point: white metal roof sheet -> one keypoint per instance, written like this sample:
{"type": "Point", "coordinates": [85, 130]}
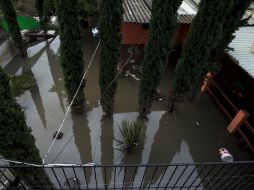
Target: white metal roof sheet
{"type": "Point", "coordinates": [139, 11]}
{"type": "Point", "coordinates": [242, 45]}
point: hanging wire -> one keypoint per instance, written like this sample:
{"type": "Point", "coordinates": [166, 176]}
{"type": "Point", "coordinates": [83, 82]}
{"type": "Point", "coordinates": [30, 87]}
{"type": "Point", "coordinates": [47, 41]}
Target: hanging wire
{"type": "Point", "coordinates": [117, 75]}
{"type": "Point", "coordinates": [69, 107]}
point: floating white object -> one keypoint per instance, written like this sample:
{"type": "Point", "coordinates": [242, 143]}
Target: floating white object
{"type": "Point", "coordinates": [95, 31]}
{"type": "Point", "coordinates": [197, 123]}
{"type": "Point", "coordinates": [225, 155]}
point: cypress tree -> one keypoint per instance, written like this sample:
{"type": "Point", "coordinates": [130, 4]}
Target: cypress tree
{"type": "Point", "coordinates": [16, 140]}
{"type": "Point", "coordinates": [39, 7]}
{"type": "Point", "coordinates": [231, 24]}
{"type": "Point", "coordinates": [205, 34]}
{"type": "Point", "coordinates": [71, 50]}
{"type": "Point", "coordinates": [49, 8]}
{"type": "Point", "coordinates": [39, 4]}
{"type": "Point", "coordinates": [11, 19]}
{"type": "Point", "coordinates": [110, 26]}
{"type": "Point", "coordinates": [87, 7]}
{"type": "Point", "coordinates": [163, 25]}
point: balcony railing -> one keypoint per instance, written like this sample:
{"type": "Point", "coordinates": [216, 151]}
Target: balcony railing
{"type": "Point", "coordinates": [214, 176]}
{"type": "Point", "coordinates": [246, 131]}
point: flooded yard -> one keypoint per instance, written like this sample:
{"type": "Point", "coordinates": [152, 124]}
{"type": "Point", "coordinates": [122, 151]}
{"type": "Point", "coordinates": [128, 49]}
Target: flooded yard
{"type": "Point", "coordinates": [193, 135]}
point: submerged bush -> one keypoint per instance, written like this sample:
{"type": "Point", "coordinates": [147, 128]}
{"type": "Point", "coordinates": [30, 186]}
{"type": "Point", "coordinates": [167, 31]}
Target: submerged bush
{"type": "Point", "coordinates": [131, 136]}
{"type": "Point", "coordinates": [21, 83]}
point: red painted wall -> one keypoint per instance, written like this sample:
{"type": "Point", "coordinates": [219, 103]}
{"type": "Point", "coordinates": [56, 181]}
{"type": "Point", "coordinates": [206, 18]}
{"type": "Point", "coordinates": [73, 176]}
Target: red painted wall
{"type": "Point", "coordinates": [182, 33]}
{"type": "Point", "coordinates": [133, 33]}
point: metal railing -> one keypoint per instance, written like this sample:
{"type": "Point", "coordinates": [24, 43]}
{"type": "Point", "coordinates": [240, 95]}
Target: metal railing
{"type": "Point", "coordinates": [214, 176]}
{"type": "Point", "coordinates": [246, 132]}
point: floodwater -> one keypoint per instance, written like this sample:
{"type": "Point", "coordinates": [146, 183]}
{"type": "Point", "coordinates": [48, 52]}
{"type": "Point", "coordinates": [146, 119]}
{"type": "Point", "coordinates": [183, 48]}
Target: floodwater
{"type": "Point", "coordinates": [193, 135]}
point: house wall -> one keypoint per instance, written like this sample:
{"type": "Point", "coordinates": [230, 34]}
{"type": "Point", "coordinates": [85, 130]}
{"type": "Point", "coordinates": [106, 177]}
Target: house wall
{"type": "Point", "coordinates": [182, 33]}
{"type": "Point", "coordinates": [135, 33]}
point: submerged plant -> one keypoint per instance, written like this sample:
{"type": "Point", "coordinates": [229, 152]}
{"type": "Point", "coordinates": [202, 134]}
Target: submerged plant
{"type": "Point", "coordinates": [131, 136]}
{"type": "Point", "coordinates": [20, 84]}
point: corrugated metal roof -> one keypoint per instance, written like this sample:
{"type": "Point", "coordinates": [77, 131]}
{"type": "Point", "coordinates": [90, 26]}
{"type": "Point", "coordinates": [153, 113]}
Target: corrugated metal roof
{"type": "Point", "coordinates": [136, 11]}
{"type": "Point", "coordinates": [242, 44]}
{"type": "Point", "coordinates": [139, 11]}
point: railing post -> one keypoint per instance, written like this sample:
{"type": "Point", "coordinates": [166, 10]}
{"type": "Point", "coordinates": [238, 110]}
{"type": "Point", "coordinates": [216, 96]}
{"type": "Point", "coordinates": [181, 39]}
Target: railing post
{"type": "Point", "coordinates": [207, 82]}
{"type": "Point", "coordinates": [237, 121]}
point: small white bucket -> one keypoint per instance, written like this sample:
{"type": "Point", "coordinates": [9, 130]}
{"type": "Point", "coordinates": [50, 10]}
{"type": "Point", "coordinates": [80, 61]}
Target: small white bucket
{"type": "Point", "coordinates": [225, 155]}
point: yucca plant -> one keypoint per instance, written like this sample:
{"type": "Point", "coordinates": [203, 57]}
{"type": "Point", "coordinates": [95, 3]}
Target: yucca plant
{"type": "Point", "coordinates": [131, 136]}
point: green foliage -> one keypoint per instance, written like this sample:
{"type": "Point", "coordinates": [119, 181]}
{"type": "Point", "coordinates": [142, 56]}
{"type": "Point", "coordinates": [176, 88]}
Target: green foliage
{"type": "Point", "coordinates": [231, 24]}
{"type": "Point", "coordinates": [45, 8]}
{"type": "Point", "coordinates": [11, 19]}
{"type": "Point", "coordinates": [87, 7]}
{"type": "Point", "coordinates": [49, 7]}
{"type": "Point", "coordinates": [71, 50]}
{"type": "Point", "coordinates": [39, 7]}
{"type": "Point", "coordinates": [205, 34]}
{"type": "Point", "coordinates": [131, 136]}
{"type": "Point", "coordinates": [16, 140]}
{"type": "Point", "coordinates": [163, 25]}
{"type": "Point", "coordinates": [20, 84]}
{"type": "Point", "coordinates": [110, 26]}
{"type": "Point", "coordinates": [241, 86]}
{"type": "Point", "coordinates": [133, 50]}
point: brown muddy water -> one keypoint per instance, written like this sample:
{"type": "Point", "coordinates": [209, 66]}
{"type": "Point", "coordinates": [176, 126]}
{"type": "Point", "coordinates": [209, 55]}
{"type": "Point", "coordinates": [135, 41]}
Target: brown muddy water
{"type": "Point", "coordinates": [194, 135]}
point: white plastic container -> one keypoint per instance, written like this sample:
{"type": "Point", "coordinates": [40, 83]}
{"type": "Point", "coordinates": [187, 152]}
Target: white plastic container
{"type": "Point", "coordinates": [225, 155]}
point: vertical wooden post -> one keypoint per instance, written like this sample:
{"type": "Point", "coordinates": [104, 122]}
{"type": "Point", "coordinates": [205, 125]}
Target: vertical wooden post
{"type": "Point", "coordinates": [207, 82]}
{"type": "Point", "coordinates": [237, 121]}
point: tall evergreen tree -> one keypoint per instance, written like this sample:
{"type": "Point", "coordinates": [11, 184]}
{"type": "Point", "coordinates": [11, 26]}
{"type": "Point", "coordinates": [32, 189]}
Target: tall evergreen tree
{"type": "Point", "coordinates": [163, 25]}
{"type": "Point", "coordinates": [87, 7]}
{"type": "Point", "coordinates": [110, 26]}
{"type": "Point", "coordinates": [233, 21]}
{"type": "Point", "coordinates": [39, 4]}
{"type": "Point", "coordinates": [205, 34]}
{"type": "Point", "coordinates": [16, 140]}
{"type": "Point", "coordinates": [39, 7]}
{"type": "Point", "coordinates": [49, 8]}
{"type": "Point", "coordinates": [11, 19]}
{"type": "Point", "coordinates": [71, 50]}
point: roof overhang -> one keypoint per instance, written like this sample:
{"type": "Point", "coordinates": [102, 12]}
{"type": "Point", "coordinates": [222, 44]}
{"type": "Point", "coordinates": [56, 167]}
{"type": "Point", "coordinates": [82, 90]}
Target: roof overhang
{"type": "Point", "coordinates": [242, 49]}
{"type": "Point", "coordinates": [139, 11]}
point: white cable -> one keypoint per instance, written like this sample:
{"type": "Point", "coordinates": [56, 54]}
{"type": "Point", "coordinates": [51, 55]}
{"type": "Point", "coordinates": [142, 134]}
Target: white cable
{"type": "Point", "coordinates": [19, 162]}
{"type": "Point", "coordinates": [119, 72]}
{"type": "Point", "coordinates": [67, 112]}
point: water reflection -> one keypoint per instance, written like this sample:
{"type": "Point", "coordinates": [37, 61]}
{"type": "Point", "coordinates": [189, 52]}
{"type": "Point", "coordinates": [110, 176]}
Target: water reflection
{"type": "Point", "coordinates": [82, 137]}
{"type": "Point", "coordinates": [126, 159]}
{"type": "Point", "coordinates": [82, 140]}
{"type": "Point", "coordinates": [193, 136]}
{"type": "Point", "coordinates": [107, 151]}
{"type": "Point", "coordinates": [26, 65]}
{"type": "Point", "coordinates": [56, 72]}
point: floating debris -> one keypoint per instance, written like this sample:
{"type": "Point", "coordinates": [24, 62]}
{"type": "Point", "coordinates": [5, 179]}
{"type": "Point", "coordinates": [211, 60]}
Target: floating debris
{"type": "Point", "coordinates": [59, 135]}
{"type": "Point", "coordinates": [95, 32]}
{"type": "Point", "coordinates": [225, 155]}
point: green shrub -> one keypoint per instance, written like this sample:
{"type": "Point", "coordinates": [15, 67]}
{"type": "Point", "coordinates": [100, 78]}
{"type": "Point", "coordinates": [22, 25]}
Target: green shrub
{"type": "Point", "coordinates": [21, 83]}
{"type": "Point", "coordinates": [131, 136]}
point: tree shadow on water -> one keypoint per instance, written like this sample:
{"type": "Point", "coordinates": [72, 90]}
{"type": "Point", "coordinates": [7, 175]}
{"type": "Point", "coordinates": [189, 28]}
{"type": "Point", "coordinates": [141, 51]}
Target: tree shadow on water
{"type": "Point", "coordinates": [107, 151]}
{"type": "Point", "coordinates": [82, 140]}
